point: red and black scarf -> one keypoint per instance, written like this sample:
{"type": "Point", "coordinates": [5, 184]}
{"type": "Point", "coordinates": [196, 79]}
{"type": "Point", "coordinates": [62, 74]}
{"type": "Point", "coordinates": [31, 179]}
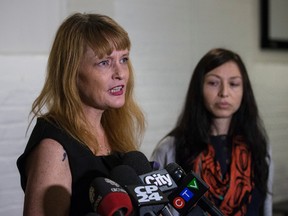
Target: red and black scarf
{"type": "Point", "coordinates": [233, 190]}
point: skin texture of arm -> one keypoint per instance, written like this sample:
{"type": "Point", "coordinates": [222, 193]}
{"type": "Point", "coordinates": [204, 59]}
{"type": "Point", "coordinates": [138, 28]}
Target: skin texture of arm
{"type": "Point", "coordinates": [48, 188]}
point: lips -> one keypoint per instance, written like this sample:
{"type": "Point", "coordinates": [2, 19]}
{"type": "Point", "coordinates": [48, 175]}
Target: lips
{"type": "Point", "coordinates": [223, 105]}
{"type": "Point", "coordinates": [117, 90]}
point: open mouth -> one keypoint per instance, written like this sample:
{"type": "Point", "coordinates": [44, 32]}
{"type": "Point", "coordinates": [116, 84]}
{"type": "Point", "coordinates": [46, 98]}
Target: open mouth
{"type": "Point", "coordinates": [116, 89]}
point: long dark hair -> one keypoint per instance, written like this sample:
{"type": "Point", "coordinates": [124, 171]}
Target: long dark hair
{"type": "Point", "coordinates": [192, 130]}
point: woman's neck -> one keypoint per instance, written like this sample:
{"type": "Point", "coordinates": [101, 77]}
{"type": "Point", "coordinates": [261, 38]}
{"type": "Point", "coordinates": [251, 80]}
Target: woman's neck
{"type": "Point", "coordinates": [94, 116]}
{"type": "Point", "coordinates": [220, 126]}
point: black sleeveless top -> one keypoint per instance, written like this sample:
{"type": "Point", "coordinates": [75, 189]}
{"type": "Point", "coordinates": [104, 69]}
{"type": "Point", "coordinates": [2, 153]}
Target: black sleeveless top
{"type": "Point", "coordinates": [84, 165]}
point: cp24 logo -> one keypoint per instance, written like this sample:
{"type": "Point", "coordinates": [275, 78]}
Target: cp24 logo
{"type": "Point", "coordinates": [148, 193]}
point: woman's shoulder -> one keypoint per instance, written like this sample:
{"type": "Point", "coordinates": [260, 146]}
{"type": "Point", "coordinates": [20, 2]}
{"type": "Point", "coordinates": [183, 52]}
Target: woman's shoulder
{"type": "Point", "coordinates": [166, 143]}
{"type": "Point", "coordinates": [164, 152]}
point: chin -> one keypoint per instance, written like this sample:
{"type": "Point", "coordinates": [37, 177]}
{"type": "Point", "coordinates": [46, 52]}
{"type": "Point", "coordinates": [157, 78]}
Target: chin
{"type": "Point", "coordinates": [223, 114]}
{"type": "Point", "coordinates": [219, 116]}
{"type": "Point", "coordinates": [118, 105]}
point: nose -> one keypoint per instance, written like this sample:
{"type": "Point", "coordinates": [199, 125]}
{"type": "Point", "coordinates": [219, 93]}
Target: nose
{"type": "Point", "coordinates": [118, 72]}
{"type": "Point", "coordinates": [223, 91]}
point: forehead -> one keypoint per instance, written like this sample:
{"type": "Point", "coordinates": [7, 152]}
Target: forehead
{"type": "Point", "coordinates": [226, 70]}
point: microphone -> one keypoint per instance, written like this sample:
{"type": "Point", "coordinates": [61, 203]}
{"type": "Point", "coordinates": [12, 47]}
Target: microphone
{"type": "Point", "coordinates": [161, 178]}
{"type": "Point", "coordinates": [108, 198]}
{"type": "Point", "coordinates": [140, 164]}
{"type": "Point", "coordinates": [148, 199]}
{"type": "Point", "coordinates": [137, 161]}
{"type": "Point", "coordinates": [190, 190]}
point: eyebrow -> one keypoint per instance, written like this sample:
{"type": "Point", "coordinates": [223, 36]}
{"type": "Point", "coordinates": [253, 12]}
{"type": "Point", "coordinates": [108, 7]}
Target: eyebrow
{"type": "Point", "coordinates": [110, 56]}
{"type": "Point", "coordinates": [215, 75]}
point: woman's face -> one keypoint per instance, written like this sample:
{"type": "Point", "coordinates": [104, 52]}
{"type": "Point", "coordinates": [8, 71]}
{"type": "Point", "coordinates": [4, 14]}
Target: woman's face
{"type": "Point", "coordinates": [223, 90]}
{"type": "Point", "coordinates": [102, 82]}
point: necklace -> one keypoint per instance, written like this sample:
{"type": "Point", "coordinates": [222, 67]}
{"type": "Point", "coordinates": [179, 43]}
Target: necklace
{"type": "Point", "coordinates": [105, 148]}
{"type": "Point", "coordinates": [102, 142]}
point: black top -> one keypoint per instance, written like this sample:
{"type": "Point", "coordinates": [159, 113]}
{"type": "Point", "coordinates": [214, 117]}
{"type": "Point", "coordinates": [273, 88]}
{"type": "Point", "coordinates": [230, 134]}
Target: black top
{"type": "Point", "coordinates": [223, 151]}
{"type": "Point", "coordinates": [84, 165]}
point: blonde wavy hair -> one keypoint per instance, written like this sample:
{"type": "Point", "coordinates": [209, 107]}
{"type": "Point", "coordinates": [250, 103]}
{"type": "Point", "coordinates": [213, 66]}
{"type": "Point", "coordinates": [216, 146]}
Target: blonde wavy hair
{"type": "Point", "coordinates": [59, 101]}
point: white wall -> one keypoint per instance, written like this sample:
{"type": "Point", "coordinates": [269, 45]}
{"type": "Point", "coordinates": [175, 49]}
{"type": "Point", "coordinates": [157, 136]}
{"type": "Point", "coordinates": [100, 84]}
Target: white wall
{"type": "Point", "coordinates": [168, 38]}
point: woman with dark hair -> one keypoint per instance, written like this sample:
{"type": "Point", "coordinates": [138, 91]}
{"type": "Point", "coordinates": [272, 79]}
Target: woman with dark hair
{"type": "Point", "coordinates": [220, 136]}
{"type": "Point", "coordinates": [85, 113]}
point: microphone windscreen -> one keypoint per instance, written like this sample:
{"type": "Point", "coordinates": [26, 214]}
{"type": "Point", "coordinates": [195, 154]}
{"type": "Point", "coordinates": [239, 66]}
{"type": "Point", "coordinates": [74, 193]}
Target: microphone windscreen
{"type": "Point", "coordinates": [107, 197]}
{"type": "Point", "coordinates": [125, 175]}
{"type": "Point", "coordinates": [138, 161]}
{"type": "Point", "coordinates": [147, 199]}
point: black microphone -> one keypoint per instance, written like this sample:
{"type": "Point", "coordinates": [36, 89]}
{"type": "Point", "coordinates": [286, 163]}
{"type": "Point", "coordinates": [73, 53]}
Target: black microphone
{"type": "Point", "coordinates": [148, 199]}
{"type": "Point", "coordinates": [138, 161]}
{"type": "Point", "coordinates": [108, 198]}
{"type": "Point", "coordinates": [190, 190]}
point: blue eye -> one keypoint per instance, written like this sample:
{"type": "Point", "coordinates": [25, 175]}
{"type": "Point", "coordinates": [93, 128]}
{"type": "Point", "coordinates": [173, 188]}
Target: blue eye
{"type": "Point", "coordinates": [104, 63]}
{"type": "Point", "coordinates": [124, 60]}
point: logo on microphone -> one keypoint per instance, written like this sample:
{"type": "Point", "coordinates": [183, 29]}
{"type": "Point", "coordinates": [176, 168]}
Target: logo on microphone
{"type": "Point", "coordinates": [178, 203]}
{"type": "Point", "coordinates": [185, 195]}
{"type": "Point", "coordinates": [193, 184]}
{"type": "Point", "coordinates": [147, 194]}
{"type": "Point", "coordinates": [160, 178]}
{"type": "Point", "coordinates": [188, 193]}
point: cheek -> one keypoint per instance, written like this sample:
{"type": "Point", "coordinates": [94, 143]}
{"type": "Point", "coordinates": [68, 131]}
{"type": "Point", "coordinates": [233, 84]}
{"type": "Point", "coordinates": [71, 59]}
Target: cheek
{"type": "Point", "coordinates": [208, 102]}
{"type": "Point", "coordinates": [80, 85]}
{"type": "Point", "coordinates": [127, 74]}
{"type": "Point", "coordinates": [238, 95]}
{"type": "Point", "coordinates": [208, 97]}
{"type": "Point", "coordinates": [88, 87]}
{"type": "Point", "coordinates": [239, 100]}
{"type": "Point", "coordinates": [82, 90]}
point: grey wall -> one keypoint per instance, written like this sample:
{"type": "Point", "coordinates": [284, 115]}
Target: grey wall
{"type": "Point", "coordinates": [168, 39]}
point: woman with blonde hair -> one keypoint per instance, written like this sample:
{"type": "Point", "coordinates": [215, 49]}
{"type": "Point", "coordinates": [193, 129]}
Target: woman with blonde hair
{"type": "Point", "coordinates": [85, 113]}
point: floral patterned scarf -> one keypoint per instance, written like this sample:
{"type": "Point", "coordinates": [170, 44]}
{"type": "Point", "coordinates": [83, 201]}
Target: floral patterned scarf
{"type": "Point", "coordinates": [233, 190]}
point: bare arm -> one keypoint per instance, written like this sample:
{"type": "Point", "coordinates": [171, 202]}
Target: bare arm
{"type": "Point", "coordinates": [48, 189]}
